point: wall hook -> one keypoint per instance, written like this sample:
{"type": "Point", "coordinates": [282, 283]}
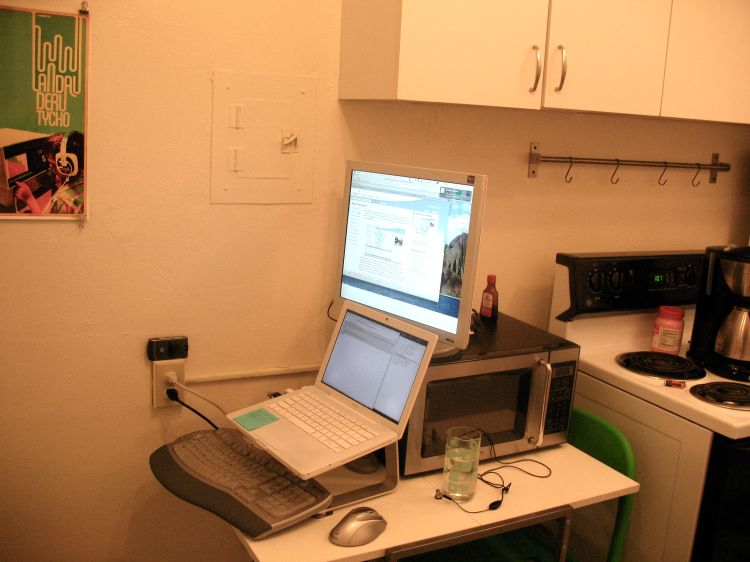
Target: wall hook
{"type": "Point", "coordinates": [664, 171]}
{"type": "Point", "coordinates": [612, 179]}
{"type": "Point", "coordinates": [695, 177]}
{"type": "Point", "coordinates": [568, 177]}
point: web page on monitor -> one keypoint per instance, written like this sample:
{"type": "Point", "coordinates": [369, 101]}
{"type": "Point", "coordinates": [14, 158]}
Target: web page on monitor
{"type": "Point", "coordinates": [396, 240]}
{"type": "Point", "coordinates": [405, 246]}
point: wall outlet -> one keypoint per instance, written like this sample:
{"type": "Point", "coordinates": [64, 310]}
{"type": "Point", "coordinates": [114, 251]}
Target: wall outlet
{"type": "Point", "coordinates": [159, 369]}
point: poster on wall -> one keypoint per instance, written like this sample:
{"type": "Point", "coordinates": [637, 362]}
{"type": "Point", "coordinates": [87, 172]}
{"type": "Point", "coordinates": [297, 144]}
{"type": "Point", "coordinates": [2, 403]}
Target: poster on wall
{"type": "Point", "coordinates": [42, 114]}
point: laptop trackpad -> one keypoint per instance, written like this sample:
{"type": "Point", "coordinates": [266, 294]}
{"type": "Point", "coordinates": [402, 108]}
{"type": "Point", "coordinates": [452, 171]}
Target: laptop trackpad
{"type": "Point", "coordinates": [278, 438]}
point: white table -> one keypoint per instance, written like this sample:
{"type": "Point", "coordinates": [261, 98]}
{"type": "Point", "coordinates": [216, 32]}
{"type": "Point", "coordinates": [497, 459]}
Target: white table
{"type": "Point", "coordinates": [415, 517]}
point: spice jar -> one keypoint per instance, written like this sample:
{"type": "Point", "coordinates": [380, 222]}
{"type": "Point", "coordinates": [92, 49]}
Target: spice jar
{"type": "Point", "coordinates": [668, 327]}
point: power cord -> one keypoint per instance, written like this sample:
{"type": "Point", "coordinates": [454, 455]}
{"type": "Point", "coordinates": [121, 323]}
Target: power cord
{"type": "Point", "coordinates": [172, 381]}
{"type": "Point", "coordinates": [174, 396]}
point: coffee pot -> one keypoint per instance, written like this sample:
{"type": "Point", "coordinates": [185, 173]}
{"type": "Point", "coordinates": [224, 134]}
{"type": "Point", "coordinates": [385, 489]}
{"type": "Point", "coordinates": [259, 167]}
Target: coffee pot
{"type": "Point", "coordinates": [733, 337]}
{"type": "Point", "coordinates": [721, 331]}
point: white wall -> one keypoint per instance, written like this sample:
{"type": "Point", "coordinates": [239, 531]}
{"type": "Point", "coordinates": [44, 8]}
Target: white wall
{"type": "Point", "coordinates": [249, 284]}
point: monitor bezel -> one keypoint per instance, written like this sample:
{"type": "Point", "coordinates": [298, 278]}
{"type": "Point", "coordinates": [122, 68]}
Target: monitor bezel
{"type": "Point", "coordinates": [450, 342]}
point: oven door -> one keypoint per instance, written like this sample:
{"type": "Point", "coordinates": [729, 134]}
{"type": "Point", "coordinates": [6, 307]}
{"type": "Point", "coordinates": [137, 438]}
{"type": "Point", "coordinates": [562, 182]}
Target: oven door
{"type": "Point", "coordinates": [505, 398]}
{"type": "Point", "coordinates": [723, 525]}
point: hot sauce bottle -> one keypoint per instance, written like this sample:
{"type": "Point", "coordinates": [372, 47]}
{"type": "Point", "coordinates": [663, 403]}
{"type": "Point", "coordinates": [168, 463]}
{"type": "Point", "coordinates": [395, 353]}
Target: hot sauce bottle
{"type": "Point", "coordinates": [488, 310]}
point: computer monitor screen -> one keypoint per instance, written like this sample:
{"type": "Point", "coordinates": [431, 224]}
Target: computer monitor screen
{"type": "Point", "coordinates": [411, 243]}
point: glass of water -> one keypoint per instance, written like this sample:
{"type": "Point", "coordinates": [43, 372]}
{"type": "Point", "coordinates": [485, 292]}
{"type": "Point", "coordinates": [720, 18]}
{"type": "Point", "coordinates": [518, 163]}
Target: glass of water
{"type": "Point", "coordinates": [462, 446]}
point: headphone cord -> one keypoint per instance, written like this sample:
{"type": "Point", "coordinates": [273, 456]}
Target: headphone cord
{"type": "Point", "coordinates": [494, 479]}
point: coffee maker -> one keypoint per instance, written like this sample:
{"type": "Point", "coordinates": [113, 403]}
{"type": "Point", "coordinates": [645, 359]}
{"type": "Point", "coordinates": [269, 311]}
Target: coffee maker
{"type": "Point", "coordinates": [721, 331]}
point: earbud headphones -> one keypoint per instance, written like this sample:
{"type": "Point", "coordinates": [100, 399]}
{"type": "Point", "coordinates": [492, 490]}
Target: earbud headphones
{"type": "Point", "coordinates": [66, 162]}
{"type": "Point", "coordinates": [494, 479]}
{"type": "Point", "coordinates": [491, 507]}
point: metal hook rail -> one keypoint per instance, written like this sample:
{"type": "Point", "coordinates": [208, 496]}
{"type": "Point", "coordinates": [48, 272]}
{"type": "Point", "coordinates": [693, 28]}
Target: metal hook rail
{"type": "Point", "coordinates": [713, 168]}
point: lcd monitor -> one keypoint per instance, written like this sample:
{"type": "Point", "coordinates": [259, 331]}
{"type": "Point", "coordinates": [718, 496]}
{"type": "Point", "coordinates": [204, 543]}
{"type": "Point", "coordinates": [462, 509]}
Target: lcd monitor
{"type": "Point", "coordinates": [410, 245]}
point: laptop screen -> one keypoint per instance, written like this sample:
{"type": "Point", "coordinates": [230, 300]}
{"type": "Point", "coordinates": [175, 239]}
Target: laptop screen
{"type": "Point", "coordinates": [374, 364]}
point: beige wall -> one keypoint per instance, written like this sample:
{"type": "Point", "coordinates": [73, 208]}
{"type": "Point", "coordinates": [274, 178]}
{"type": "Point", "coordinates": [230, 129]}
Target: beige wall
{"type": "Point", "coordinates": [249, 284]}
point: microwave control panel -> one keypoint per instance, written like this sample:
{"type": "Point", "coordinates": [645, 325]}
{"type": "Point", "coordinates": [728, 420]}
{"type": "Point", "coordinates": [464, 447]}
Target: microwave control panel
{"type": "Point", "coordinates": [560, 399]}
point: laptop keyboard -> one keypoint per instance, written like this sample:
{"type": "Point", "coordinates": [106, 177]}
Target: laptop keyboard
{"type": "Point", "coordinates": [334, 429]}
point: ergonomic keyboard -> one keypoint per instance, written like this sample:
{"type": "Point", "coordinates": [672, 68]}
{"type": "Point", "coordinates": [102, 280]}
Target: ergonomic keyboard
{"type": "Point", "coordinates": [219, 471]}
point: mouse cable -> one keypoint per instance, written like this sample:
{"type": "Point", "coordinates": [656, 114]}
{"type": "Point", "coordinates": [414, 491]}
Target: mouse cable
{"type": "Point", "coordinates": [174, 397]}
{"type": "Point", "coordinates": [172, 380]}
{"type": "Point", "coordinates": [328, 312]}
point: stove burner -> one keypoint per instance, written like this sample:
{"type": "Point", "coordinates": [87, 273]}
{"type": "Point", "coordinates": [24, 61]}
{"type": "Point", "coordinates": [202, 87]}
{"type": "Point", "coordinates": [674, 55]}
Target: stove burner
{"type": "Point", "coordinates": [733, 395]}
{"type": "Point", "coordinates": [663, 365]}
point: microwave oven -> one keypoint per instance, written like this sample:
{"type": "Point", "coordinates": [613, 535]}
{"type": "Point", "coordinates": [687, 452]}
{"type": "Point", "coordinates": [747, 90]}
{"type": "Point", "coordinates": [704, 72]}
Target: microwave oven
{"type": "Point", "coordinates": [514, 383]}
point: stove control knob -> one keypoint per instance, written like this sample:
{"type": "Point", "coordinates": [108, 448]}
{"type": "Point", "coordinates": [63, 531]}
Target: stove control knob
{"type": "Point", "coordinates": [596, 281]}
{"type": "Point", "coordinates": [614, 280]}
{"type": "Point", "coordinates": [691, 276]}
{"type": "Point", "coordinates": [681, 276]}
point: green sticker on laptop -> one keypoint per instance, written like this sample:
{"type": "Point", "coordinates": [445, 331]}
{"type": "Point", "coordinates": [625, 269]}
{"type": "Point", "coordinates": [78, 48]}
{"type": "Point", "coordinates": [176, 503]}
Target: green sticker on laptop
{"type": "Point", "coordinates": [255, 419]}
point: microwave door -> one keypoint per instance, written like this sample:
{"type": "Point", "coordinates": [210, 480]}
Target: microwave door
{"type": "Point", "coordinates": [499, 399]}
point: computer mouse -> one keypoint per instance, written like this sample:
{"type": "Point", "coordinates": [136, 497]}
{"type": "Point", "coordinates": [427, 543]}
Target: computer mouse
{"type": "Point", "coordinates": [360, 526]}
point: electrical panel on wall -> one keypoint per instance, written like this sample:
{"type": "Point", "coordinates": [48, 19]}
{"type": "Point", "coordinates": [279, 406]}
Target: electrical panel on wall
{"type": "Point", "coordinates": [262, 139]}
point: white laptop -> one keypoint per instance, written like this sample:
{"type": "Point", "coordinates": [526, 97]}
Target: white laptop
{"type": "Point", "coordinates": [371, 373]}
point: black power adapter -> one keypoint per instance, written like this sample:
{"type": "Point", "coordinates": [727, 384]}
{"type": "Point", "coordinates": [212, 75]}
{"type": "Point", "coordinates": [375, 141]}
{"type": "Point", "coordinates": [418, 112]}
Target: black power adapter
{"type": "Point", "coordinates": [160, 349]}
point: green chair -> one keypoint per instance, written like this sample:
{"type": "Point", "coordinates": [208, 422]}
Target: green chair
{"type": "Point", "coordinates": [606, 443]}
{"type": "Point", "coordinates": [592, 435]}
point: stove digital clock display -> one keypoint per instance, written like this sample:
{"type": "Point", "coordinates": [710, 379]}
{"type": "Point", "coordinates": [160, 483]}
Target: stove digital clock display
{"type": "Point", "coordinates": [660, 279]}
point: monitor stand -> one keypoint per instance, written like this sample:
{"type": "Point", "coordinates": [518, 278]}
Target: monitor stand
{"type": "Point", "coordinates": [350, 486]}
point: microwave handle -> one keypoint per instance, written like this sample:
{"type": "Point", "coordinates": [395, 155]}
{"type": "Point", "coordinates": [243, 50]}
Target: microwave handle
{"type": "Point", "coordinates": [547, 386]}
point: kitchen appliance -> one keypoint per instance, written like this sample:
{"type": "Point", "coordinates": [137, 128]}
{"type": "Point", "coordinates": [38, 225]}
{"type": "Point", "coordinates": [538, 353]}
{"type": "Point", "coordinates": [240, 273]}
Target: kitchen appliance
{"type": "Point", "coordinates": [726, 394]}
{"type": "Point", "coordinates": [721, 331]}
{"type": "Point", "coordinates": [514, 382]}
{"type": "Point", "coordinates": [683, 427]}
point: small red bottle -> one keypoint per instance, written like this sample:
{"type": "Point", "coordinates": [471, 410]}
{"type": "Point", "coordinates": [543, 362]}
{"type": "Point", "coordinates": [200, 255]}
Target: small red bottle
{"type": "Point", "coordinates": [488, 310]}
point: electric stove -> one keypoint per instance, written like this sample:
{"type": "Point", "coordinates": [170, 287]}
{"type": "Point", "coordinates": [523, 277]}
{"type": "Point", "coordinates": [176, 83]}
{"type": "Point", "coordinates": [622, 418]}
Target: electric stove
{"type": "Point", "coordinates": [667, 406]}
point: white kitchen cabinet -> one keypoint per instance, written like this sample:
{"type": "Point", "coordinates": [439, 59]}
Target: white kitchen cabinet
{"type": "Point", "coordinates": [708, 62]}
{"type": "Point", "coordinates": [479, 52]}
{"type": "Point", "coordinates": [609, 56]}
{"type": "Point", "coordinates": [615, 53]}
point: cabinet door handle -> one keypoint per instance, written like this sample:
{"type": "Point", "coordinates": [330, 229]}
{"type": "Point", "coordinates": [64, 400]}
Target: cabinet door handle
{"type": "Point", "coordinates": [538, 68]}
{"type": "Point", "coordinates": [564, 68]}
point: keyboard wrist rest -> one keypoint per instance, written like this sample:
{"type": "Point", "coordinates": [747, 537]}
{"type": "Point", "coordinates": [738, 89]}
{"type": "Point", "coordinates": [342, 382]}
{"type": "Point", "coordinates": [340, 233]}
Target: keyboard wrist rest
{"type": "Point", "coordinates": [176, 480]}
